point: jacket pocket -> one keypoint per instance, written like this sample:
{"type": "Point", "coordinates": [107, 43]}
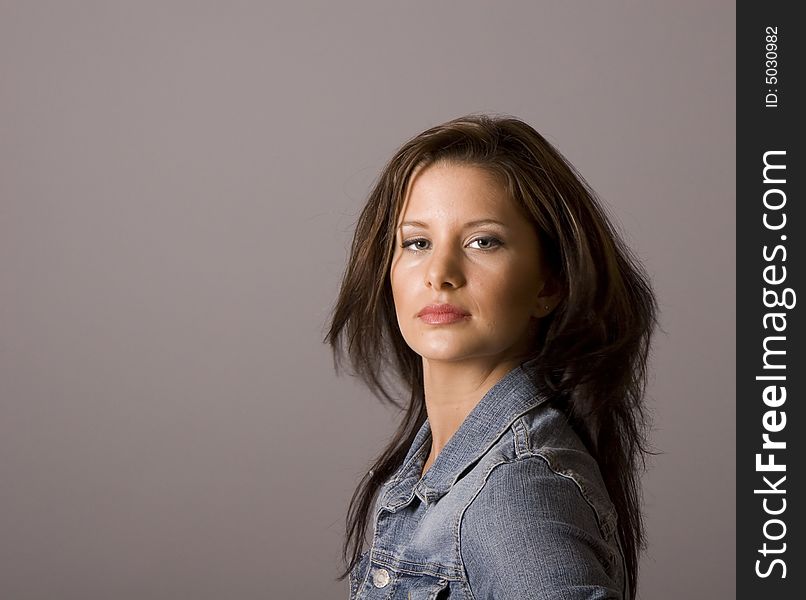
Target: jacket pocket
{"type": "Point", "coordinates": [385, 583]}
{"type": "Point", "coordinates": [421, 587]}
{"type": "Point", "coordinates": [436, 591]}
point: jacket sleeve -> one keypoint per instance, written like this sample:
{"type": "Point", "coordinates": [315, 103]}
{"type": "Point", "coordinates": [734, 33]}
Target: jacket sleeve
{"type": "Point", "coordinates": [530, 534]}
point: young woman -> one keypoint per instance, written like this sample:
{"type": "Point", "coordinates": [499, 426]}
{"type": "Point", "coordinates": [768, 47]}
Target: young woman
{"type": "Point", "coordinates": [486, 280]}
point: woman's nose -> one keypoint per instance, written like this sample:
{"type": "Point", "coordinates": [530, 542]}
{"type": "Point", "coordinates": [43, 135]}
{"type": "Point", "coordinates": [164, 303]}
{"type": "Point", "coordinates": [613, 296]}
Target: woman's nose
{"type": "Point", "coordinates": [444, 267]}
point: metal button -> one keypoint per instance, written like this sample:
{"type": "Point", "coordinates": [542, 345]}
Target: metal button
{"type": "Point", "coordinates": [380, 577]}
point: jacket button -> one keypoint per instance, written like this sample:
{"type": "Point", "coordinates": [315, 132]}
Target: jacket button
{"type": "Point", "coordinates": [380, 577]}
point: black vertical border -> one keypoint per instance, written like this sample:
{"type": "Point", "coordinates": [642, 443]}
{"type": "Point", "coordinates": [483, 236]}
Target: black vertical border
{"type": "Point", "coordinates": [760, 129]}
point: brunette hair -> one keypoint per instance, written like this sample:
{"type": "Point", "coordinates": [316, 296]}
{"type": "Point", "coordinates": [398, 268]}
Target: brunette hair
{"type": "Point", "coordinates": [591, 350]}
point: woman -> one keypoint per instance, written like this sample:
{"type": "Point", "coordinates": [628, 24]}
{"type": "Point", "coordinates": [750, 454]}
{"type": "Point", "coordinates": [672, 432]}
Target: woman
{"type": "Point", "coordinates": [486, 279]}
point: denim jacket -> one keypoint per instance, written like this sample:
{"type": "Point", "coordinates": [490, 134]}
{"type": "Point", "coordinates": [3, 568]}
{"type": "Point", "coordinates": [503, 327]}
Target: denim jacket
{"type": "Point", "coordinates": [513, 507]}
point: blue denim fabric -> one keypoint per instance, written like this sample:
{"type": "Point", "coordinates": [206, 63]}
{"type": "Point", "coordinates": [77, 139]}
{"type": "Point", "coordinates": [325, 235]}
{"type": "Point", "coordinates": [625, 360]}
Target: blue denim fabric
{"type": "Point", "coordinates": [513, 507]}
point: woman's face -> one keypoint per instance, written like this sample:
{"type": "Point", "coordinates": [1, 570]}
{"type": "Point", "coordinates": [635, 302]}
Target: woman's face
{"type": "Point", "coordinates": [449, 250]}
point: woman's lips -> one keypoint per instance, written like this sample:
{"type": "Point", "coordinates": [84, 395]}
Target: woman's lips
{"type": "Point", "coordinates": [442, 313]}
{"type": "Point", "coordinates": [443, 318]}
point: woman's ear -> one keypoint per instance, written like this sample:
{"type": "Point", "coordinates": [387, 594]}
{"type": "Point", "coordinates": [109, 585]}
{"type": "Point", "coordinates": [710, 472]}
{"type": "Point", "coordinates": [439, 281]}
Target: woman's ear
{"type": "Point", "coordinates": [549, 297]}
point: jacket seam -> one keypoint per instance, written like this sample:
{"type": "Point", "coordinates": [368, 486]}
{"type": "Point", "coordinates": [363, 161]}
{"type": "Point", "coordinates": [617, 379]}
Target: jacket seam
{"type": "Point", "coordinates": [436, 570]}
{"type": "Point", "coordinates": [354, 582]}
{"type": "Point", "coordinates": [600, 518]}
{"type": "Point", "coordinates": [521, 443]}
{"type": "Point", "coordinates": [364, 581]}
{"type": "Point", "coordinates": [465, 578]}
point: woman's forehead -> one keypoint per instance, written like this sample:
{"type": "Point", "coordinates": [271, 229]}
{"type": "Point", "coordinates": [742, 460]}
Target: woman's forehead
{"type": "Point", "coordinates": [451, 192]}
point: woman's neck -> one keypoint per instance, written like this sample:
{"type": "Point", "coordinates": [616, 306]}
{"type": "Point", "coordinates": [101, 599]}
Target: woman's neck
{"type": "Point", "coordinates": [452, 391]}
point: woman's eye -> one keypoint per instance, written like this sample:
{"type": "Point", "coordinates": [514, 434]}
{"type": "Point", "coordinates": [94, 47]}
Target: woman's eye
{"type": "Point", "coordinates": [487, 243]}
{"type": "Point", "coordinates": [408, 243]}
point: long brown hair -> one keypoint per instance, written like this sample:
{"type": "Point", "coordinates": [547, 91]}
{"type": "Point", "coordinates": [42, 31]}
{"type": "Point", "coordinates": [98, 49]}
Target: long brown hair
{"type": "Point", "coordinates": [591, 351]}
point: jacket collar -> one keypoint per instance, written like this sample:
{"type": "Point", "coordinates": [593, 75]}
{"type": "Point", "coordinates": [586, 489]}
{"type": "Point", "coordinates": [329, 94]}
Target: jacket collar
{"type": "Point", "coordinates": [513, 395]}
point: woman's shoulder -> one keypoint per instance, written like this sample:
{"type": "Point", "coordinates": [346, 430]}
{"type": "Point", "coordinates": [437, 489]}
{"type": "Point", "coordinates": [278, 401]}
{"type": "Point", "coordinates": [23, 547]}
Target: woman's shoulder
{"type": "Point", "coordinates": [541, 518]}
{"type": "Point", "coordinates": [542, 460]}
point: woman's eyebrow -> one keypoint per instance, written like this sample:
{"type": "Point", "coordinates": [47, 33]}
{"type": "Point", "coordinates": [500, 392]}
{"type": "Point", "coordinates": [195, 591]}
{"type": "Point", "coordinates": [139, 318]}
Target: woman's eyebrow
{"type": "Point", "coordinates": [475, 223]}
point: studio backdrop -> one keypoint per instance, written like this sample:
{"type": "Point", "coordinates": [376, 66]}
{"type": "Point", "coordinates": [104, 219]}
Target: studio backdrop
{"type": "Point", "coordinates": [179, 182]}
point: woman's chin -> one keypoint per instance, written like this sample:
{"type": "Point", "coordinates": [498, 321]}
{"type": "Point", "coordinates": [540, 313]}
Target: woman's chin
{"type": "Point", "coordinates": [445, 355]}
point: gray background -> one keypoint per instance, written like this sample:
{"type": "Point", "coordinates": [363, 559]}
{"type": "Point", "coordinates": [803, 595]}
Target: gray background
{"type": "Point", "coordinates": [178, 185]}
